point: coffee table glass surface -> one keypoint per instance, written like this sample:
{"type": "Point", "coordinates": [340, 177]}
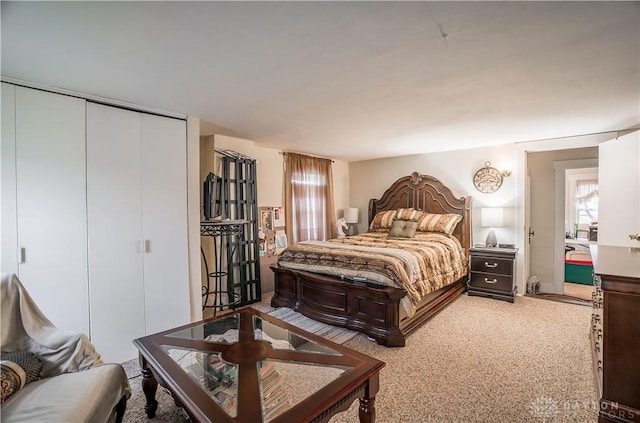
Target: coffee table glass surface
{"type": "Point", "coordinates": [248, 366]}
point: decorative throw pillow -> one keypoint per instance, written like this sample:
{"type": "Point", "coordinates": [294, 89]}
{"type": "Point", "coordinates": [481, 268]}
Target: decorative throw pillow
{"type": "Point", "coordinates": [409, 214]}
{"type": "Point", "coordinates": [445, 223]}
{"type": "Point", "coordinates": [13, 379]}
{"type": "Point", "coordinates": [29, 362]}
{"type": "Point", "coordinates": [403, 228]}
{"type": "Point", "coordinates": [382, 220]}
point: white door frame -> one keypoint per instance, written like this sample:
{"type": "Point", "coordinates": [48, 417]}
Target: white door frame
{"type": "Point", "coordinates": [522, 196]}
{"type": "Point", "coordinates": [560, 168]}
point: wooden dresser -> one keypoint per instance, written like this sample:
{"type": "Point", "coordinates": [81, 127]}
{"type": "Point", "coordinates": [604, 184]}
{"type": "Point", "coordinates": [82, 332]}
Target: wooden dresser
{"type": "Point", "coordinates": [616, 332]}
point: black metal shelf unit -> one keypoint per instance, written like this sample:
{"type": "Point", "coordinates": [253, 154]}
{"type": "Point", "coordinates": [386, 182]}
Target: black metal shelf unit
{"type": "Point", "coordinates": [239, 202]}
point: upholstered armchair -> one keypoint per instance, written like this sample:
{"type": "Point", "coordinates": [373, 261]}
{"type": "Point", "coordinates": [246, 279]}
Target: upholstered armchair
{"type": "Point", "coordinates": [49, 374]}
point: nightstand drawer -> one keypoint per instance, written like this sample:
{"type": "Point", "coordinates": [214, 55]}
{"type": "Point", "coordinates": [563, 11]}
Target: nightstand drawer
{"type": "Point", "coordinates": [491, 281]}
{"type": "Point", "coordinates": [492, 265]}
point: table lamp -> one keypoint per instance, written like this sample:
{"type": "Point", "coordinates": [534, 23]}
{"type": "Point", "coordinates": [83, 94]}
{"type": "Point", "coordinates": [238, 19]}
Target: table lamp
{"type": "Point", "coordinates": [351, 217]}
{"type": "Point", "coordinates": [492, 217]}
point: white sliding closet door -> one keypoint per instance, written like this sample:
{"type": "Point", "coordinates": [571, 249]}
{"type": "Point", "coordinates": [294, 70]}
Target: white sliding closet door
{"type": "Point", "coordinates": [137, 214]}
{"type": "Point", "coordinates": [115, 230]}
{"type": "Point", "coordinates": [164, 207]}
{"type": "Point", "coordinates": [51, 204]}
{"type": "Point", "coordinates": [8, 168]}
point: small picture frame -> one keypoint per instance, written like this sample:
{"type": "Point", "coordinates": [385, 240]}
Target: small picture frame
{"type": "Point", "coordinates": [266, 220]}
{"type": "Point", "coordinates": [281, 240]}
{"type": "Point", "coordinates": [278, 217]}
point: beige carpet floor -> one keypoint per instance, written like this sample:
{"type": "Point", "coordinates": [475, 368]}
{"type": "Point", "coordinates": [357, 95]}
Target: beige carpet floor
{"type": "Point", "coordinates": [479, 360]}
{"type": "Point", "coordinates": [578, 290]}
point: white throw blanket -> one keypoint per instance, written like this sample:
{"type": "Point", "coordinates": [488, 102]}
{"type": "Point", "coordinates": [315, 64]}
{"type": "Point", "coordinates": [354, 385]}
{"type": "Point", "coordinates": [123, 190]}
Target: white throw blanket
{"type": "Point", "coordinates": [25, 328]}
{"type": "Point", "coordinates": [76, 386]}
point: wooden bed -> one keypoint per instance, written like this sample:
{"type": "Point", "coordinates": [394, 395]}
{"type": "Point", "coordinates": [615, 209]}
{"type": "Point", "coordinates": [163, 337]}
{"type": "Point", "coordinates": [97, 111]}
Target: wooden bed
{"type": "Point", "coordinates": [368, 307]}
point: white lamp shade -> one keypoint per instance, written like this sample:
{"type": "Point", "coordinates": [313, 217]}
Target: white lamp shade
{"type": "Point", "coordinates": [351, 215]}
{"type": "Point", "coordinates": [492, 217]}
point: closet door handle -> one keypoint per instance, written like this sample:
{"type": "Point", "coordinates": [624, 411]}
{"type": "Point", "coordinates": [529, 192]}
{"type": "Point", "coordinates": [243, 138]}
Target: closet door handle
{"type": "Point", "coordinates": [491, 281]}
{"type": "Point", "coordinates": [22, 255]}
{"type": "Point", "coordinates": [143, 246]}
{"type": "Point", "coordinates": [491, 265]}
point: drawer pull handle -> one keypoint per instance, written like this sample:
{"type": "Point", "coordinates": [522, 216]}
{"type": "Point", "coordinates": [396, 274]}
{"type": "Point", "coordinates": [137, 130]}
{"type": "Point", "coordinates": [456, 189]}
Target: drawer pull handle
{"type": "Point", "coordinates": [492, 281]}
{"type": "Point", "coordinates": [490, 265]}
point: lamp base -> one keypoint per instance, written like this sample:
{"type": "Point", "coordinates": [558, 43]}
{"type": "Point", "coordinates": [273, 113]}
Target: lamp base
{"type": "Point", "coordinates": [352, 229]}
{"type": "Point", "coordinates": [491, 240]}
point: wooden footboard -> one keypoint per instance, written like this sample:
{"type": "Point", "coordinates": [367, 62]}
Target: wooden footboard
{"type": "Point", "coordinates": [372, 309]}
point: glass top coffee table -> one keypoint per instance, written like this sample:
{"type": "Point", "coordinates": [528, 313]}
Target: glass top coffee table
{"type": "Point", "coordinates": [250, 367]}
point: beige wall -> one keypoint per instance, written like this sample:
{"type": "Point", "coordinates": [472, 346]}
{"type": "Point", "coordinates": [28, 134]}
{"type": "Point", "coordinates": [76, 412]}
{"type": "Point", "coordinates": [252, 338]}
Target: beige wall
{"type": "Point", "coordinates": [270, 171]}
{"type": "Point", "coordinates": [369, 179]}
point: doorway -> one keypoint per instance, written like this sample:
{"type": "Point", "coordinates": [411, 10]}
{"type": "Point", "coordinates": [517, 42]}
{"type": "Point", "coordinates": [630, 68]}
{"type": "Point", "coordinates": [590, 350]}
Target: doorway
{"type": "Point", "coordinates": [547, 200]}
{"type": "Point", "coordinates": [580, 230]}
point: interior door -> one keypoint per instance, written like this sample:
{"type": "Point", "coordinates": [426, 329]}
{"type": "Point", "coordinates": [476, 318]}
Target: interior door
{"type": "Point", "coordinates": [115, 230]}
{"type": "Point", "coordinates": [619, 191]}
{"type": "Point", "coordinates": [51, 204]}
{"type": "Point", "coordinates": [164, 209]}
{"type": "Point", "coordinates": [9, 194]}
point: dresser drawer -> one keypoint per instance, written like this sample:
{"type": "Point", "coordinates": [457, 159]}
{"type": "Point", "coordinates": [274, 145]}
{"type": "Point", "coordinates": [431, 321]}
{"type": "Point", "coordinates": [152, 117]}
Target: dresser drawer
{"type": "Point", "coordinates": [491, 281]}
{"type": "Point", "coordinates": [492, 265]}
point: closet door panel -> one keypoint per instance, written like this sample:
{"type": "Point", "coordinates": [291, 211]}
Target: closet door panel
{"type": "Point", "coordinates": [9, 212]}
{"type": "Point", "coordinates": [51, 204]}
{"type": "Point", "coordinates": [164, 207]}
{"type": "Point", "coordinates": [115, 230]}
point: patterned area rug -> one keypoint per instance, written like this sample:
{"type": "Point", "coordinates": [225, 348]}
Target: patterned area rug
{"type": "Point", "coordinates": [168, 412]}
{"type": "Point", "coordinates": [332, 333]}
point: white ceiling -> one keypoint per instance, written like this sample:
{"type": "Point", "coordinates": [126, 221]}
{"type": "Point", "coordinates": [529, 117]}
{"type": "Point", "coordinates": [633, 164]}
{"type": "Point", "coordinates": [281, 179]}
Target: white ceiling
{"type": "Point", "coordinates": [347, 80]}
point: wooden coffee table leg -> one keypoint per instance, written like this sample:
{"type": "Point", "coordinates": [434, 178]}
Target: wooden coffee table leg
{"type": "Point", "coordinates": [149, 387]}
{"type": "Point", "coordinates": [367, 410]}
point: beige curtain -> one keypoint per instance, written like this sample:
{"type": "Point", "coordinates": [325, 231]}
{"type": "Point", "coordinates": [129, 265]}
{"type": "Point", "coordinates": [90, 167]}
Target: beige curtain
{"type": "Point", "coordinates": [587, 198]}
{"type": "Point", "coordinates": [310, 214]}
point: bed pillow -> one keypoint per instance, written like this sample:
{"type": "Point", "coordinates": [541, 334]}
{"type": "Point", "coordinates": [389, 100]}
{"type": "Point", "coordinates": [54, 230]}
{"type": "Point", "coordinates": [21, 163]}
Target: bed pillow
{"type": "Point", "coordinates": [409, 214]}
{"type": "Point", "coordinates": [445, 223]}
{"type": "Point", "coordinates": [382, 220]}
{"type": "Point", "coordinates": [403, 228]}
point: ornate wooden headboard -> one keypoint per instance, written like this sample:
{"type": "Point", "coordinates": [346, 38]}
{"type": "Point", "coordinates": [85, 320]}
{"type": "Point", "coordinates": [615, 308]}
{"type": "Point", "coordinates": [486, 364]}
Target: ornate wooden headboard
{"type": "Point", "coordinates": [424, 192]}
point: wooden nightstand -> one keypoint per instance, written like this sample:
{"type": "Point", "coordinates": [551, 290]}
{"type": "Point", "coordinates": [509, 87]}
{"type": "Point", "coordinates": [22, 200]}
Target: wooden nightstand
{"type": "Point", "coordinates": [492, 272]}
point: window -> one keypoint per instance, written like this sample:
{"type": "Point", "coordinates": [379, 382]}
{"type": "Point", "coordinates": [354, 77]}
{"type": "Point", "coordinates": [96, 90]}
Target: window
{"type": "Point", "coordinates": [586, 201]}
{"type": "Point", "coordinates": [309, 196]}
